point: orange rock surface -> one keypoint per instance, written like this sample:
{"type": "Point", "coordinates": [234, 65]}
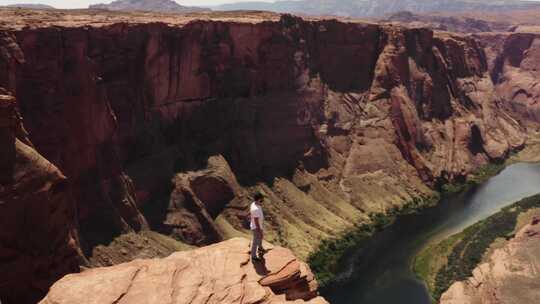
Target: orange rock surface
{"type": "Point", "coordinates": [220, 274]}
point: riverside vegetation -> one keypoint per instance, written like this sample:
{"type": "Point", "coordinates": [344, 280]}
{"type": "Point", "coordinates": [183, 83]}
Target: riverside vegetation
{"type": "Point", "coordinates": [327, 261]}
{"type": "Point", "coordinates": [454, 259]}
{"type": "Point", "coordinates": [479, 176]}
{"type": "Point", "coordinates": [436, 263]}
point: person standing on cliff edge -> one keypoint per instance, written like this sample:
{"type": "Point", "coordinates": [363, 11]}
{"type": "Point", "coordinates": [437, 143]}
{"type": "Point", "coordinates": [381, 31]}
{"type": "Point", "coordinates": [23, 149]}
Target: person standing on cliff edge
{"type": "Point", "coordinates": [256, 225]}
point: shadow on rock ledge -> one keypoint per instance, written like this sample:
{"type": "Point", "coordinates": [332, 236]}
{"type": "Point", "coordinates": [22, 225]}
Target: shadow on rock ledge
{"type": "Point", "coordinates": [221, 273]}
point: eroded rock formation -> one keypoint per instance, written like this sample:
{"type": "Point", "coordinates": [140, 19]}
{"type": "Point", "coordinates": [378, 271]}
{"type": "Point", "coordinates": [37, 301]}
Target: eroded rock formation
{"type": "Point", "coordinates": [37, 239]}
{"type": "Point", "coordinates": [197, 199]}
{"type": "Point", "coordinates": [221, 273]}
{"type": "Point", "coordinates": [509, 276]}
{"type": "Point", "coordinates": [514, 61]}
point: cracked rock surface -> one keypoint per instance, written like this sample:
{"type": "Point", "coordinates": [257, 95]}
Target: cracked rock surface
{"type": "Point", "coordinates": [221, 273]}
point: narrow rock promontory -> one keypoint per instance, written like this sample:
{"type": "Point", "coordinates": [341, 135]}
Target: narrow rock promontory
{"type": "Point", "coordinates": [221, 273]}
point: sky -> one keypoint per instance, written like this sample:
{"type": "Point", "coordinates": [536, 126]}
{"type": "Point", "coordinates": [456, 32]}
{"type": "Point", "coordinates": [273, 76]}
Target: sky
{"type": "Point", "coordinates": [85, 3]}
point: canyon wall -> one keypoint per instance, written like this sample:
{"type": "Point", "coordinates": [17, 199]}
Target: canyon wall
{"type": "Point", "coordinates": [38, 239]}
{"type": "Point", "coordinates": [173, 128]}
{"type": "Point", "coordinates": [514, 61]}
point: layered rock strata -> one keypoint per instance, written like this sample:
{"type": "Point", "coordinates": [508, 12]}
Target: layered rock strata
{"type": "Point", "coordinates": [514, 61]}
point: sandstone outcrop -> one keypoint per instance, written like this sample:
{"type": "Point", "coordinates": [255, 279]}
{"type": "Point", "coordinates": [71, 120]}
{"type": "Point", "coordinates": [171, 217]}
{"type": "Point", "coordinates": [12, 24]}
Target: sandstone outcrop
{"type": "Point", "coordinates": [514, 64]}
{"type": "Point", "coordinates": [130, 246]}
{"type": "Point", "coordinates": [221, 273]}
{"type": "Point", "coordinates": [509, 276]}
{"type": "Point", "coordinates": [197, 199]}
{"type": "Point", "coordinates": [37, 239]}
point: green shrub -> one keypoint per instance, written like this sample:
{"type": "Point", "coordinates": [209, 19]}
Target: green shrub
{"type": "Point", "coordinates": [479, 176]}
{"type": "Point", "coordinates": [325, 261]}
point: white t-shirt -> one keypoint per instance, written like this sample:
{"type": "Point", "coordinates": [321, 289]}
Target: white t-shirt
{"type": "Point", "coordinates": [256, 212]}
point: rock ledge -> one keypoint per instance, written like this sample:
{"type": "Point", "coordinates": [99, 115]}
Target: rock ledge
{"type": "Point", "coordinates": [221, 273]}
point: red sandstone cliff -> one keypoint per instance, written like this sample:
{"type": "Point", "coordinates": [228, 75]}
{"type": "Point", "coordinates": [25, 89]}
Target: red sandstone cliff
{"type": "Point", "coordinates": [332, 120]}
{"type": "Point", "coordinates": [514, 61]}
{"type": "Point", "coordinates": [37, 240]}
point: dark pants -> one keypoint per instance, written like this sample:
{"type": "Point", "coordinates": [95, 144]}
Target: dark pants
{"type": "Point", "coordinates": [256, 243]}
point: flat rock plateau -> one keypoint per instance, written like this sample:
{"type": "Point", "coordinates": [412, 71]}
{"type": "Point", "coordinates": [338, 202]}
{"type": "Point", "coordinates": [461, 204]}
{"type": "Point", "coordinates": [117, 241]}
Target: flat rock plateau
{"type": "Point", "coordinates": [134, 135]}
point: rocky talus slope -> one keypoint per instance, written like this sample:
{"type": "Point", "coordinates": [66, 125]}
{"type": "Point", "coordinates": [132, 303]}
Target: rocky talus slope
{"type": "Point", "coordinates": [173, 125]}
{"type": "Point", "coordinates": [219, 274]}
{"type": "Point", "coordinates": [510, 275]}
